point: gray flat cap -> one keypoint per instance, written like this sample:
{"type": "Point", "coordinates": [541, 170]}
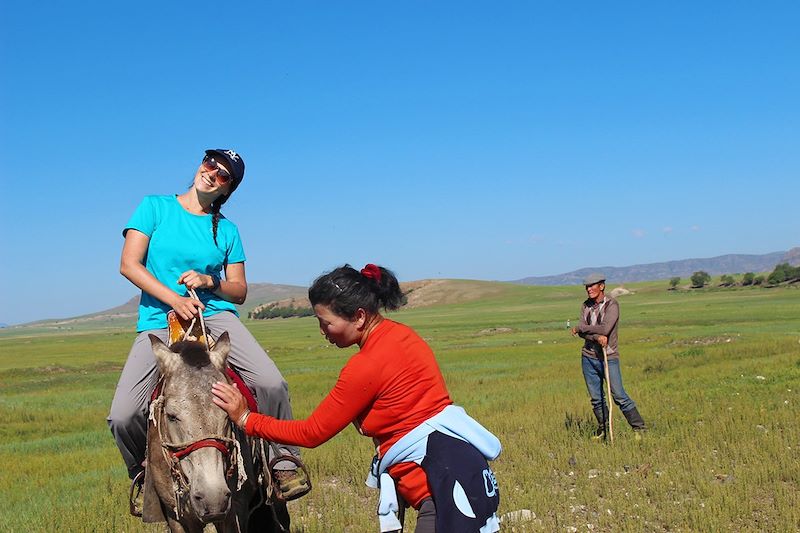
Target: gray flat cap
{"type": "Point", "coordinates": [595, 277]}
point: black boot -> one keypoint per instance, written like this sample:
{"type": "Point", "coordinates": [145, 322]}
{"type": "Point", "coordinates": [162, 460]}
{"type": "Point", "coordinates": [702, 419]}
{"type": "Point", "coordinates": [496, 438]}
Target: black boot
{"type": "Point", "coordinates": [635, 419]}
{"type": "Point", "coordinates": [601, 414]}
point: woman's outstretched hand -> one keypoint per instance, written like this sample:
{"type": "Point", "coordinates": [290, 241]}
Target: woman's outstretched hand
{"type": "Point", "coordinates": [228, 398]}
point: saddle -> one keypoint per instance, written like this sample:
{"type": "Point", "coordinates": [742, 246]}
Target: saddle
{"type": "Point", "coordinates": [257, 450]}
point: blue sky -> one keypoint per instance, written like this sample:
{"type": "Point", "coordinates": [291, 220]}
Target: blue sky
{"type": "Point", "coordinates": [482, 140]}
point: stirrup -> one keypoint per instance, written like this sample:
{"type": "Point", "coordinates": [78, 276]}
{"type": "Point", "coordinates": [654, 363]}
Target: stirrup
{"type": "Point", "coordinates": [298, 485]}
{"type": "Point", "coordinates": [135, 494]}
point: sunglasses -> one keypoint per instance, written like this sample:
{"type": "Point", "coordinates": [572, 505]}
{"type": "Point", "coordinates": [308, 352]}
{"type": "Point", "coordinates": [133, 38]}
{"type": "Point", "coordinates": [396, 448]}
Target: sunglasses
{"type": "Point", "coordinates": [223, 176]}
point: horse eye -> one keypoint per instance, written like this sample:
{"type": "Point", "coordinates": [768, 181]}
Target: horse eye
{"type": "Point", "coordinates": [172, 418]}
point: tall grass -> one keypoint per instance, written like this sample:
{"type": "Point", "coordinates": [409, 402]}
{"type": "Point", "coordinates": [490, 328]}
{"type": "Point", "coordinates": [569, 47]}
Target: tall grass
{"type": "Point", "coordinates": [716, 375]}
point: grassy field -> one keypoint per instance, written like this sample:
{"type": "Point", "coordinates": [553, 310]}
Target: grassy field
{"type": "Point", "coordinates": [716, 374]}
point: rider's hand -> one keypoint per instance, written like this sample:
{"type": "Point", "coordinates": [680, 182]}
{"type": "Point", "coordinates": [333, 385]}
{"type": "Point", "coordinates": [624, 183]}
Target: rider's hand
{"type": "Point", "coordinates": [195, 280]}
{"type": "Point", "coordinates": [602, 340]}
{"type": "Point", "coordinates": [228, 398]}
{"type": "Point", "coordinates": [574, 331]}
{"type": "Point", "coordinates": [187, 308]}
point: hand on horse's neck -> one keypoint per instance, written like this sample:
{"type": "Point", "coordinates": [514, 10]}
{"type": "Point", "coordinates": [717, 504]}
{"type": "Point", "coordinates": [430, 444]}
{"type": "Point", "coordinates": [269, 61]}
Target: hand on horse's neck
{"type": "Point", "coordinates": [196, 202]}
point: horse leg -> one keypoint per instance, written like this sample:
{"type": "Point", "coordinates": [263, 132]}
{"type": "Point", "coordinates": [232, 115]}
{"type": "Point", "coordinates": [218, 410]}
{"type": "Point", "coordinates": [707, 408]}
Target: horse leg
{"type": "Point", "coordinates": [281, 515]}
{"type": "Point", "coordinates": [230, 524]}
{"type": "Point", "coordinates": [174, 526]}
{"type": "Point", "coordinates": [188, 524]}
{"type": "Point", "coordinates": [272, 518]}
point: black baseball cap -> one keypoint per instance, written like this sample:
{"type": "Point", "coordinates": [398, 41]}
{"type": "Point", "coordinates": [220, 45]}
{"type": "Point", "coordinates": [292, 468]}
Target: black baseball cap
{"type": "Point", "coordinates": [232, 160]}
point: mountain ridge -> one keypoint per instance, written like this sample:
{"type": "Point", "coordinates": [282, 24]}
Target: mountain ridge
{"type": "Point", "coordinates": [721, 264]}
{"type": "Point", "coordinates": [263, 293]}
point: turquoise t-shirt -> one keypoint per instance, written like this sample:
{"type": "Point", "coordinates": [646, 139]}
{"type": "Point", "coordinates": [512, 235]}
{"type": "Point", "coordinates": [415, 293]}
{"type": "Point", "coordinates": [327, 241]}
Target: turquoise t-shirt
{"type": "Point", "coordinates": [181, 241]}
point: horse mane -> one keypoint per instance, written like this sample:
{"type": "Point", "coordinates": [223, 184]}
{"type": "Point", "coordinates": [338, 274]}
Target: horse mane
{"type": "Point", "coordinates": [193, 353]}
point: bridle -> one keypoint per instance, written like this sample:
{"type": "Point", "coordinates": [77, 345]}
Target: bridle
{"type": "Point", "coordinates": [174, 452]}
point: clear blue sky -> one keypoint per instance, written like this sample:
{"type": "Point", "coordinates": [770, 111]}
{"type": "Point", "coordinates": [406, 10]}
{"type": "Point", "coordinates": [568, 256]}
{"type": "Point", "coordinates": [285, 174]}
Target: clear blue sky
{"type": "Point", "coordinates": [482, 140]}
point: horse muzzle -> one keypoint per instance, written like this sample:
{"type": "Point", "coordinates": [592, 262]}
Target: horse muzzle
{"type": "Point", "coordinates": [210, 508]}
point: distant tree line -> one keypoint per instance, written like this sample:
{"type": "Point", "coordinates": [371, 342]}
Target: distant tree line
{"type": "Point", "coordinates": [280, 312]}
{"type": "Point", "coordinates": [783, 273]}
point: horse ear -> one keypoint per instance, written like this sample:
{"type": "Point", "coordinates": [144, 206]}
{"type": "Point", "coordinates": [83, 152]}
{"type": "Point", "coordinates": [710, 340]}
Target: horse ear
{"type": "Point", "coordinates": [164, 356]}
{"type": "Point", "coordinates": [219, 355]}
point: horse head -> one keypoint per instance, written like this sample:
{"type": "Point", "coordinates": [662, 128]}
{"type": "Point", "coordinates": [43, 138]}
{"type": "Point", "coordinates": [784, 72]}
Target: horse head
{"type": "Point", "coordinates": [195, 434]}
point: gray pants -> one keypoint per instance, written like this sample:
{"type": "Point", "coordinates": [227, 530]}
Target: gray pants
{"type": "Point", "coordinates": [129, 409]}
{"type": "Point", "coordinates": [426, 518]}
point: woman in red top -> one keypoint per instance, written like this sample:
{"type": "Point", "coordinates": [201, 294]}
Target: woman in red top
{"type": "Point", "coordinates": [387, 389]}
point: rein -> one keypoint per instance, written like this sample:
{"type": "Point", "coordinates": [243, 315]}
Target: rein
{"type": "Point", "coordinates": [188, 332]}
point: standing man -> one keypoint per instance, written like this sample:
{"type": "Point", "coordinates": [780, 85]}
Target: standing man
{"type": "Point", "coordinates": [598, 328]}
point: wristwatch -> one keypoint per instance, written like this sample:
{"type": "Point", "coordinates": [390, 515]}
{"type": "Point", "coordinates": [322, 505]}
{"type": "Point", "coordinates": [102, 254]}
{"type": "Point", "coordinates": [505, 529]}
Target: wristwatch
{"type": "Point", "coordinates": [215, 280]}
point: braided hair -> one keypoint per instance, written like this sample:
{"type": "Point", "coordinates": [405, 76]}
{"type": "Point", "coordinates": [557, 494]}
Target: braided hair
{"type": "Point", "coordinates": [346, 290]}
{"type": "Point", "coordinates": [216, 205]}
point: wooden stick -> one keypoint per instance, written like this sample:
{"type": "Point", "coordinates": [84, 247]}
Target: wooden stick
{"type": "Point", "coordinates": [609, 399]}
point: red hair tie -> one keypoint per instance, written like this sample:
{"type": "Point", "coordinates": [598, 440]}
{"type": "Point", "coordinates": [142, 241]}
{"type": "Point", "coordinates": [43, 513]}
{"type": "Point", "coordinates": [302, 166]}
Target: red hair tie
{"type": "Point", "coordinates": [372, 272]}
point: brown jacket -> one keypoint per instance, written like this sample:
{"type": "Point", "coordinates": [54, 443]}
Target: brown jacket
{"type": "Point", "coordinates": [599, 319]}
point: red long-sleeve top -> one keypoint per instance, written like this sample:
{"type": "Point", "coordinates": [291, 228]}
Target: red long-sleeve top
{"type": "Point", "coordinates": [388, 388]}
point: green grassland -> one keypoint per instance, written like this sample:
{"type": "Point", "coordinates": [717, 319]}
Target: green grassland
{"type": "Point", "coordinates": [716, 374]}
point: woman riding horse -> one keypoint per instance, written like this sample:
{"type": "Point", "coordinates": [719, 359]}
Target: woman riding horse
{"type": "Point", "coordinates": [179, 243]}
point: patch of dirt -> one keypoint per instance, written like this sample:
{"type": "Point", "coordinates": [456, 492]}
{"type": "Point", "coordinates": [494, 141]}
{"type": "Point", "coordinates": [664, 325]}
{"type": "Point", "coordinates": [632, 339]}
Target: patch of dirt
{"type": "Point", "coordinates": [295, 303]}
{"type": "Point", "coordinates": [430, 292]}
{"type": "Point", "coordinates": [704, 341]}
{"type": "Point", "coordinates": [419, 293]}
{"type": "Point", "coordinates": [493, 331]}
{"type": "Point", "coordinates": [53, 369]}
{"type": "Point", "coordinates": [619, 291]}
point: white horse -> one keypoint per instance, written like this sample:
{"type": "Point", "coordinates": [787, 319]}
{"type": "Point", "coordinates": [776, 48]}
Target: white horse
{"type": "Point", "coordinates": [198, 465]}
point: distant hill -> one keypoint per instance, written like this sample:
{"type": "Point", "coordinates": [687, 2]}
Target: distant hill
{"type": "Point", "coordinates": [723, 264]}
{"type": "Point", "coordinates": [423, 293]}
{"type": "Point", "coordinates": [419, 293]}
{"type": "Point", "coordinates": [257, 293]}
{"type": "Point", "coordinates": [443, 291]}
